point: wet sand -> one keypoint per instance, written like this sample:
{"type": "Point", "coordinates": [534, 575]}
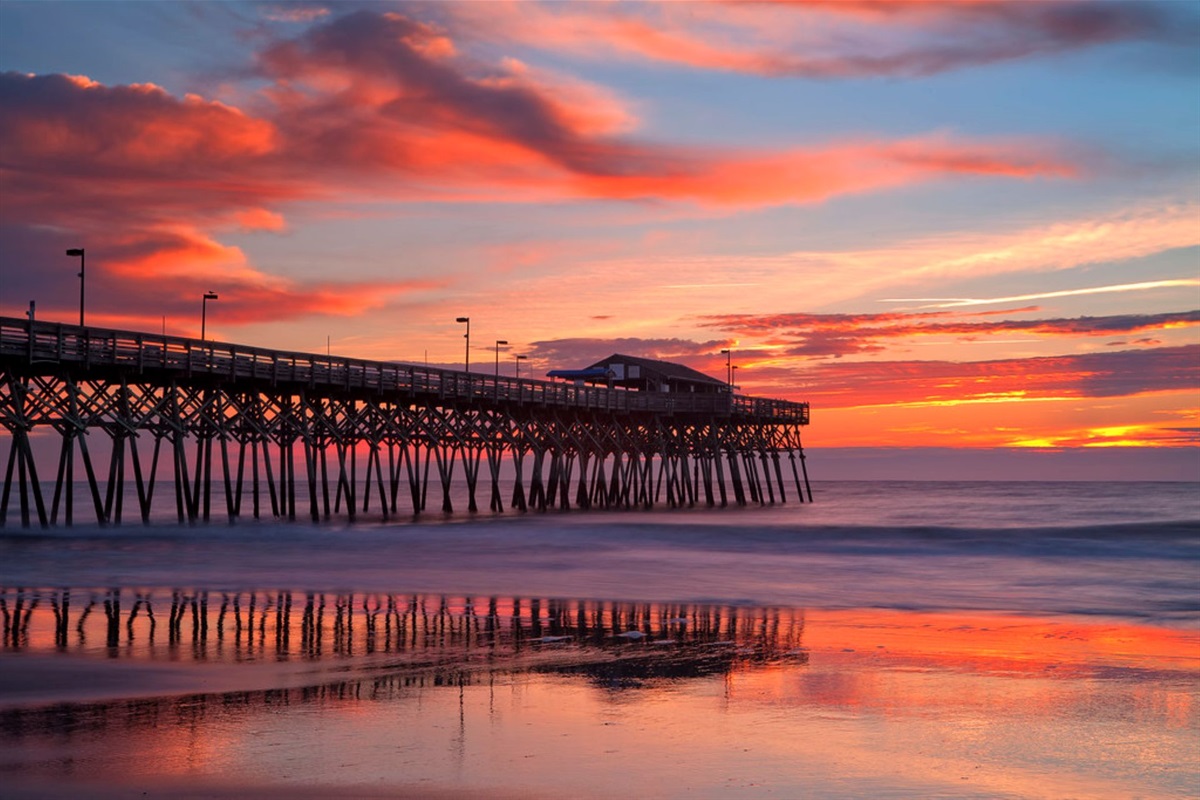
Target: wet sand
{"type": "Point", "coordinates": [433, 696]}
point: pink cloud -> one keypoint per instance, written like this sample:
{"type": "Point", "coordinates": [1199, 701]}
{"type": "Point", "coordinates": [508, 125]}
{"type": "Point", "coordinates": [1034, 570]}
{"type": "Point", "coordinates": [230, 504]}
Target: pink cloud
{"type": "Point", "coordinates": [842, 384]}
{"type": "Point", "coordinates": [831, 39]}
{"type": "Point", "coordinates": [849, 334]}
{"type": "Point", "coordinates": [381, 106]}
{"type": "Point", "coordinates": [365, 83]}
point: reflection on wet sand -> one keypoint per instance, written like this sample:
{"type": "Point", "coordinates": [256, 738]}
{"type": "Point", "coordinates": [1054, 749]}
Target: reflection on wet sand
{"type": "Point", "coordinates": [386, 694]}
{"type": "Point", "coordinates": [284, 626]}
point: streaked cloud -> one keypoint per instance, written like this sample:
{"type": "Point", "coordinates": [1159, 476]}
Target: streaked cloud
{"type": "Point", "coordinates": [829, 39]}
{"type": "Point", "coordinates": [1132, 234]}
{"type": "Point", "coordinates": [825, 335]}
{"type": "Point", "coordinates": [891, 268]}
{"type": "Point", "coordinates": [957, 302]}
{"type": "Point", "coordinates": [1089, 375]}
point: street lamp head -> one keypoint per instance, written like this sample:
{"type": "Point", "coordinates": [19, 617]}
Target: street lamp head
{"type": "Point", "coordinates": [463, 319]}
{"type": "Point", "coordinates": [75, 251]}
{"type": "Point", "coordinates": [522, 358]}
{"type": "Point", "coordinates": [501, 341]}
{"type": "Point", "coordinates": [210, 295]}
{"type": "Point", "coordinates": [724, 352]}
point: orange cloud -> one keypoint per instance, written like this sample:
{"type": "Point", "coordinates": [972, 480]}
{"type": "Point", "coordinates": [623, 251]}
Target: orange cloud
{"type": "Point", "coordinates": [362, 101]}
{"type": "Point", "coordinates": [880, 383]}
{"type": "Point", "coordinates": [814, 278]}
{"type": "Point", "coordinates": [138, 276]}
{"type": "Point", "coordinates": [248, 299]}
{"type": "Point", "coordinates": [402, 109]}
{"type": "Point", "coordinates": [260, 219]}
{"type": "Point", "coordinates": [373, 106]}
{"type": "Point", "coordinates": [831, 39]}
{"type": "Point", "coordinates": [68, 122]}
{"type": "Point", "coordinates": [816, 174]}
{"type": "Point", "coordinates": [845, 334]}
{"type": "Point", "coordinates": [85, 155]}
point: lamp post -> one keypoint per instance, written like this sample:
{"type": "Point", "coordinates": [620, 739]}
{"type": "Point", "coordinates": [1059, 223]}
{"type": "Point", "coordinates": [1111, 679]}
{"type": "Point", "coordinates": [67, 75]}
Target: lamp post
{"type": "Point", "coordinates": [467, 336]}
{"type": "Point", "coordinates": [498, 343]}
{"type": "Point", "coordinates": [733, 377]}
{"type": "Point", "coordinates": [728, 370]}
{"type": "Point", "coordinates": [78, 252]}
{"type": "Point", "coordinates": [204, 311]}
{"type": "Point", "coordinates": [519, 359]}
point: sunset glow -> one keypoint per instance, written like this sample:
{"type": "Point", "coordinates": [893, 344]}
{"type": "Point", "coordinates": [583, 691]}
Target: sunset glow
{"type": "Point", "coordinates": [965, 225]}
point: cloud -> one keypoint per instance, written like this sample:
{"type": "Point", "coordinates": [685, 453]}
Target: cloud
{"type": "Point", "coordinates": [828, 277]}
{"type": "Point", "coordinates": [818, 173]}
{"type": "Point", "coordinates": [957, 302]}
{"type": "Point", "coordinates": [379, 105]}
{"type": "Point", "coordinates": [295, 13]}
{"type": "Point", "coordinates": [388, 80]}
{"type": "Point", "coordinates": [371, 106]}
{"type": "Point", "coordinates": [260, 219]}
{"type": "Point", "coordinates": [78, 152]}
{"type": "Point", "coordinates": [831, 39]}
{"type": "Point", "coordinates": [836, 335]}
{"type": "Point", "coordinates": [370, 91]}
{"type": "Point", "coordinates": [135, 278]}
{"type": "Point", "coordinates": [844, 384]}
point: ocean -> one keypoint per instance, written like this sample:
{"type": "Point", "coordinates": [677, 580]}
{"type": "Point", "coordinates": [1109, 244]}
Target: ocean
{"type": "Point", "coordinates": [1124, 549]}
{"type": "Point", "coordinates": [896, 638]}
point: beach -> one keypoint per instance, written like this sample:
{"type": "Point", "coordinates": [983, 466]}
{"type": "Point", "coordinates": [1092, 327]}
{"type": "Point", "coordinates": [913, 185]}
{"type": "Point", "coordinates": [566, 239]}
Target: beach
{"type": "Point", "coordinates": [825, 650]}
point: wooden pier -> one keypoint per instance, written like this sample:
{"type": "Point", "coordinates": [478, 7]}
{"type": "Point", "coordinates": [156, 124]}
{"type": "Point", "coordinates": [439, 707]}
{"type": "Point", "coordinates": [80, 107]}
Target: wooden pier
{"type": "Point", "coordinates": [242, 431]}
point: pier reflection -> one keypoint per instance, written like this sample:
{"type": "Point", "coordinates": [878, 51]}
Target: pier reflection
{"type": "Point", "coordinates": [467, 632]}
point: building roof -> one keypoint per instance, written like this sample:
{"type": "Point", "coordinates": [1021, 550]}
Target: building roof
{"type": "Point", "coordinates": [677, 373]}
{"type": "Point", "coordinates": [580, 374]}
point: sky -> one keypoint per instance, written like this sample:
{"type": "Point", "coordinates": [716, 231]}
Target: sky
{"type": "Point", "coordinates": [945, 225]}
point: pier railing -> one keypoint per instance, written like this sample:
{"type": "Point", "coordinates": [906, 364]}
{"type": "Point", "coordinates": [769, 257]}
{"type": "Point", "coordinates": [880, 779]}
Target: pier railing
{"type": "Point", "coordinates": [46, 346]}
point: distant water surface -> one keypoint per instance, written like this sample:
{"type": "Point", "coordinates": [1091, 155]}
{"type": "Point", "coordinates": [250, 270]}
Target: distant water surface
{"type": "Point", "coordinates": [1124, 549]}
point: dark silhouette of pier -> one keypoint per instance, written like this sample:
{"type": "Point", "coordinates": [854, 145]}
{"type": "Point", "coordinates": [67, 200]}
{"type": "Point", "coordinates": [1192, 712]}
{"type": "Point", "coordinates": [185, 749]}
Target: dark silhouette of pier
{"type": "Point", "coordinates": [181, 624]}
{"type": "Point", "coordinates": [288, 434]}
{"type": "Point", "coordinates": [318, 648]}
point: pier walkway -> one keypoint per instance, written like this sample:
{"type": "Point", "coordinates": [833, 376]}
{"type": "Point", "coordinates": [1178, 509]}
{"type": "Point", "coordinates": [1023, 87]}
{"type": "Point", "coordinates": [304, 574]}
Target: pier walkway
{"type": "Point", "coordinates": [240, 426]}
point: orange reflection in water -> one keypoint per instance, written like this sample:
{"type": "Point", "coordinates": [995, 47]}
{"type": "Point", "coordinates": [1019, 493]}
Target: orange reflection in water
{"type": "Point", "coordinates": [876, 646]}
{"type": "Point", "coordinates": [991, 642]}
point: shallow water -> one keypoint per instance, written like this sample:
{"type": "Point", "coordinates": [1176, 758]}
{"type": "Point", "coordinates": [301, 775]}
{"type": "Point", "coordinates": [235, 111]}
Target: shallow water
{"type": "Point", "coordinates": [1131, 551]}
